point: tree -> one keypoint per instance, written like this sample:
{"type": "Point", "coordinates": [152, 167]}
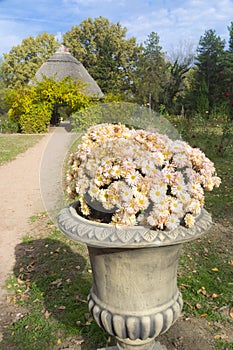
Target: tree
{"type": "Point", "coordinates": [230, 29]}
{"type": "Point", "coordinates": [105, 52]}
{"type": "Point", "coordinates": [179, 62]}
{"type": "Point", "coordinates": [150, 72]}
{"type": "Point", "coordinates": [22, 62]}
{"type": "Point", "coordinates": [210, 63]}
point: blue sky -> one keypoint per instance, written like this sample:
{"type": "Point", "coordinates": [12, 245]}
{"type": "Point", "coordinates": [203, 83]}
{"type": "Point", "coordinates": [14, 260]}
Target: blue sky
{"type": "Point", "coordinates": [177, 23]}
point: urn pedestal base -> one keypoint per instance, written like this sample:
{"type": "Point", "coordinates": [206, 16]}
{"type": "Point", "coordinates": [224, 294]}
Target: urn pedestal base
{"type": "Point", "coordinates": [157, 346]}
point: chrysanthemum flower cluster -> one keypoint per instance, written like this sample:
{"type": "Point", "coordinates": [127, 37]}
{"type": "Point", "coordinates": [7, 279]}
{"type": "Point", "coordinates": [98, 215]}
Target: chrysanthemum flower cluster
{"type": "Point", "coordinates": [140, 177]}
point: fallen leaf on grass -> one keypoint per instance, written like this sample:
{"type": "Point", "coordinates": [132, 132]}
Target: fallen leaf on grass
{"type": "Point", "coordinates": [57, 282]}
{"type": "Point", "coordinates": [214, 269]}
{"type": "Point", "coordinates": [202, 290]}
{"type": "Point", "coordinates": [79, 298]}
{"type": "Point", "coordinates": [214, 296]}
{"type": "Point", "coordinates": [220, 336]}
{"type": "Point", "coordinates": [231, 312]}
{"type": "Point", "coordinates": [47, 314]}
{"type": "Point", "coordinates": [61, 307]}
{"type": "Point", "coordinates": [19, 281]}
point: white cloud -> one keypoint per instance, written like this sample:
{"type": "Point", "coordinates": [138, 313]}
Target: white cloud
{"type": "Point", "coordinates": [187, 21]}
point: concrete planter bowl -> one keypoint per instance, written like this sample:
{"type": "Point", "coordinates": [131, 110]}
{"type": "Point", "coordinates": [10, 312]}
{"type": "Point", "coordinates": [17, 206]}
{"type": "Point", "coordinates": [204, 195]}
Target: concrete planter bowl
{"type": "Point", "coordinates": [134, 294]}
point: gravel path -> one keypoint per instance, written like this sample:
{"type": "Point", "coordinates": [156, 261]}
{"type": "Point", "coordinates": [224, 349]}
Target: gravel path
{"type": "Point", "coordinates": [30, 184]}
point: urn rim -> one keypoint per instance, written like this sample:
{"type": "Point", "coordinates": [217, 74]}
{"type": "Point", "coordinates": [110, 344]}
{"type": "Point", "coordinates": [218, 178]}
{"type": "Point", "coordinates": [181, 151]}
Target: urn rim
{"type": "Point", "coordinates": [99, 234]}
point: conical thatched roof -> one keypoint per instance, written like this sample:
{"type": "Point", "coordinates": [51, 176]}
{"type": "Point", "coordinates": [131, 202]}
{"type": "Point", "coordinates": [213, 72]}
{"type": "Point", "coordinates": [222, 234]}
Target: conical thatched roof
{"type": "Point", "coordinates": [61, 65]}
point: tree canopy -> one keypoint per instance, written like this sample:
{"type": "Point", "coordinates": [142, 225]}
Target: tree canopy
{"type": "Point", "coordinates": [105, 52]}
{"type": "Point", "coordinates": [210, 63]}
{"type": "Point", "coordinates": [22, 62]}
{"type": "Point", "coordinates": [150, 75]}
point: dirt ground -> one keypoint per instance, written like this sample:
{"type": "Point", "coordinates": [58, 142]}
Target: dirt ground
{"type": "Point", "coordinates": [21, 199]}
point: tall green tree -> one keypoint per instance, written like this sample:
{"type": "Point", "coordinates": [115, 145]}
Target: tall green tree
{"type": "Point", "coordinates": [150, 72]}
{"type": "Point", "coordinates": [178, 65]}
{"type": "Point", "coordinates": [210, 63]}
{"type": "Point", "coordinates": [230, 29]}
{"type": "Point", "coordinates": [229, 73]}
{"type": "Point", "coordinates": [22, 62]}
{"type": "Point", "coordinates": [105, 52]}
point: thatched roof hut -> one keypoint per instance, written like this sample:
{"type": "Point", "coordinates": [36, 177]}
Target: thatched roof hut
{"type": "Point", "coordinates": [61, 65]}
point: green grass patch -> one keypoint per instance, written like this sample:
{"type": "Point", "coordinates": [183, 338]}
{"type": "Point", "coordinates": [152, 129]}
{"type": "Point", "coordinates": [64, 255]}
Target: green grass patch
{"type": "Point", "coordinates": [52, 279]}
{"type": "Point", "coordinates": [205, 277]}
{"type": "Point", "coordinates": [12, 145]}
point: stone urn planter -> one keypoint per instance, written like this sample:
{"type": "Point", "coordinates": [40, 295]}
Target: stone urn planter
{"type": "Point", "coordinates": [140, 197]}
{"type": "Point", "coordinates": [134, 295]}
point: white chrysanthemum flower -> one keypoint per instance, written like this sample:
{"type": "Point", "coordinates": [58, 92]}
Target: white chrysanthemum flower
{"type": "Point", "coordinates": [178, 146]}
{"type": "Point", "coordinates": [133, 177]}
{"type": "Point", "coordinates": [116, 171]}
{"type": "Point", "coordinates": [158, 192]}
{"type": "Point", "coordinates": [99, 180]}
{"type": "Point", "coordinates": [162, 205]}
{"type": "Point", "coordinates": [172, 222]}
{"type": "Point", "coordinates": [194, 207]}
{"type": "Point", "coordinates": [93, 190]}
{"type": "Point", "coordinates": [184, 197]}
{"type": "Point", "coordinates": [107, 163]}
{"type": "Point", "coordinates": [180, 160]}
{"type": "Point", "coordinates": [176, 206]}
{"type": "Point", "coordinates": [189, 220]}
{"type": "Point", "coordinates": [102, 196]}
{"type": "Point", "coordinates": [195, 188]}
{"type": "Point", "coordinates": [209, 185]}
{"type": "Point", "coordinates": [82, 185]}
{"type": "Point", "coordinates": [147, 167]}
{"type": "Point", "coordinates": [126, 193]}
{"type": "Point", "coordinates": [178, 190]}
{"type": "Point", "coordinates": [142, 201]}
{"type": "Point", "coordinates": [168, 176]}
{"type": "Point", "coordinates": [217, 181]}
{"type": "Point", "coordinates": [152, 219]}
{"type": "Point", "coordinates": [131, 207]}
{"type": "Point", "coordinates": [159, 158]}
{"type": "Point", "coordinates": [123, 218]}
{"type": "Point", "coordinates": [84, 207]}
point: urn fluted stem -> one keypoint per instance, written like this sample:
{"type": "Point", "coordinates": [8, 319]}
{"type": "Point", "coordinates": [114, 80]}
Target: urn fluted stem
{"type": "Point", "coordinates": [134, 294]}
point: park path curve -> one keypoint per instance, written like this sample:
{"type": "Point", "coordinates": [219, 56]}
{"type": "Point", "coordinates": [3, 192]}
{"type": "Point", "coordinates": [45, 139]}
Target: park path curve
{"type": "Point", "coordinates": [24, 191]}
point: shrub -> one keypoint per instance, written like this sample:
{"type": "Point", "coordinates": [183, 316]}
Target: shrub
{"type": "Point", "coordinates": [37, 119]}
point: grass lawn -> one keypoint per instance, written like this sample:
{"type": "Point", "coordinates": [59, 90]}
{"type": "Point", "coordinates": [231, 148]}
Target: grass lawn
{"type": "Point", "coordinates": [12, 145]}
{"type": "Point", "coordinates": [52, 275]}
